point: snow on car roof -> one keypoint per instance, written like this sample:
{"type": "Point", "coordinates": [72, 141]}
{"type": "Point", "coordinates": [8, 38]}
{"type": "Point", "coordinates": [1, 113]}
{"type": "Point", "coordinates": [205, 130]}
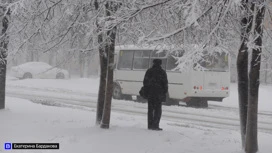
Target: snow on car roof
{"type": "Point", "coordinates": [34, 63]}
{"type": "Point", "coordinates": [31, 64]}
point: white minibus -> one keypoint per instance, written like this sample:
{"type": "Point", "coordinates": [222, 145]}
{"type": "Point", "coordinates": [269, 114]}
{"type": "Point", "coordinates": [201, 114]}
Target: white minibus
{"type": "Point", "coordinates": [195, 87]}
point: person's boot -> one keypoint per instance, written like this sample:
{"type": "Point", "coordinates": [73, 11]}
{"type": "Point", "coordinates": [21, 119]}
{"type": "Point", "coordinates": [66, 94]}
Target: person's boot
{"type": "Point", "coordinates": [157, 129]}
{"type": "Point", "coordinates": [150, 126]}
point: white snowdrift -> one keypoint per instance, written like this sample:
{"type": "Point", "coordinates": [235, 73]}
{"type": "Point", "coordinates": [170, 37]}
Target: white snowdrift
{"type": "Point", "coordinates": [74, 128]}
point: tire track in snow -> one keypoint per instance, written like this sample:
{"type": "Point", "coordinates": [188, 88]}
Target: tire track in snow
{"type": "Point", "coordinates": [92, 97]}
{"type": "Point", "coordinates": [169, 115]}
{"type": "Point", "coordinates": [59, 90]}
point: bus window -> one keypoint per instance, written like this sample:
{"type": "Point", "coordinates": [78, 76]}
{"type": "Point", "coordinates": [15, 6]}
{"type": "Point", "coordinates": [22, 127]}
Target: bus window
{"type": "Point", "coordinates": [142, 54]}
{"type": "Point", "coordinates": [158, 55]}
{"type": "Point", "coordinates": [163, 62]}
{"type": "Point", "coordinates": [171, 63]}
{"type": "Point", "coordinates": [215, 62]}
{"type": "Point", "coordinates": [140, 63]}
{"type": "Point", "coordinates": [125, 59]}
{"type": "Point", "coordinates": [172, 60]}
{"type": "Point", "coordinates": [141, 59]}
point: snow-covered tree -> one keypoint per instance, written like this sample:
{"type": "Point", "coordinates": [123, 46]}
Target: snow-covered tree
{"type": "Point", "coordinates": [198, 27]}
{"type": "Point", "coordinates": [4, 41]}
{"type": "Point", "coordinates": [249, 77]}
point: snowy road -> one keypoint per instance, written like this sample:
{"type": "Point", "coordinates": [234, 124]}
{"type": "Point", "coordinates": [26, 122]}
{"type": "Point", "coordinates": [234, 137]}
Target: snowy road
{"type": "Point", "coordinates": [228, 118]}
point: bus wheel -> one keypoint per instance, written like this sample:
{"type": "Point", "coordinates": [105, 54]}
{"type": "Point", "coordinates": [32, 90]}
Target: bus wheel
{"type": "Point", "coordinates": [170, 101]}
{"type": "Point", "coordinates": [126, 97]}
{"type": "Point", "coordinates": [117, 94]}
{"type": "Point", "coordinates": [197, 103]}
{"type": "Point", "coordinates": [203, 103]}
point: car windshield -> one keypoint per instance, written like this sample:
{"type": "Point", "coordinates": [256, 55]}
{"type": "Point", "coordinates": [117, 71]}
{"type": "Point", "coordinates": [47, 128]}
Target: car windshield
{"type": "Point", "coordinates": [214, 62]}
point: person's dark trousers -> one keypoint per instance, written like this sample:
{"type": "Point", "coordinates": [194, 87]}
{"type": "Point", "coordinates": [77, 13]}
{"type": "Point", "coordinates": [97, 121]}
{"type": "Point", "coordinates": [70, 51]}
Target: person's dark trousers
{"type": "Point", "coordinates": [150, 114]}
{"type": "Point", "coordinates": [154, 112]}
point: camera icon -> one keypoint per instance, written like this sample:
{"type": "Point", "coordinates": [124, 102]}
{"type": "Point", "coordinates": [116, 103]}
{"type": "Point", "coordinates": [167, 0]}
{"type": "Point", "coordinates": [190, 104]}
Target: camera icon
{"type": "Point", "coordinates": [8, 146]}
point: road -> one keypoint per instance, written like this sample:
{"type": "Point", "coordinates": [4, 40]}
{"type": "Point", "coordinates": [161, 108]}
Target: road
{"type": "Point", "coordinates": [214, 116]}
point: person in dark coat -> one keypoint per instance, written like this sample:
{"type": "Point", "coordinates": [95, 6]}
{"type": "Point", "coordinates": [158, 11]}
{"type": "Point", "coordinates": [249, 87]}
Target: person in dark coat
{"type": "Point", "coordinates": [156, 83]}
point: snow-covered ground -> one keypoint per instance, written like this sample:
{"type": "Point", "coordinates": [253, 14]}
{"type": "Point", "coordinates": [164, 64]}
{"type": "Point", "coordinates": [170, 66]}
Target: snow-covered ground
{"type": "Point", "coordinates": [85, 87]}
{"type": "Point", "coordinates": [70, 85]}
{"type": "Point", "coordinates": [74, 129]}
{"type": "Point", "coordinates": [188, 130]}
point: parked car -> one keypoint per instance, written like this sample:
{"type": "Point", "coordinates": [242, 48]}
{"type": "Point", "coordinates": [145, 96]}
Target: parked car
{"type": "Point", "coordinates": [39, 70]}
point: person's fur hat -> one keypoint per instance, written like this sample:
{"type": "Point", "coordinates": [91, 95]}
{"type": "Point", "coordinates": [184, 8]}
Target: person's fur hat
{"type": "Point", "coordinates": [157, 62]}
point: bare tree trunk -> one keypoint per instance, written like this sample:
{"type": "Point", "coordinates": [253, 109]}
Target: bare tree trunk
{"type": "Point", "coordinates": [31, 56]}
{"type": "Point", "coordinates": [37, 56]}
{"type": "Point", "coordinates": [81, 64]}
{"type": "Point", "coordinates": [107, 105]}
{"type": "Point", "coordinates": [50, 58]}
{"type": "Point", "coordinates": [103, 81]}
{"type": "Point", "coordinates": [242, 70]}
{"type": "Point", "coordinates": [4, 40]}
{"type": "Point", "coordinates": [103, 74]}
{"type": "Point", "coordinates": [254, 77]}
{"type": "Point", "coordinates": [3, 68]}
{"type": "Point", "coordinates": [88, 65]}
{"type": "Point", "coordinates": [266, 69]}
{"type": "Point", "coordinates": [110, 49]}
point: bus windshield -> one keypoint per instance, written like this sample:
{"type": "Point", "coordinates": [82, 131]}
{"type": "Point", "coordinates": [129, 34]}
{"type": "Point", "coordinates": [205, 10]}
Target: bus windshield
{"type": "Point", "coordinates": [214, 62]}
